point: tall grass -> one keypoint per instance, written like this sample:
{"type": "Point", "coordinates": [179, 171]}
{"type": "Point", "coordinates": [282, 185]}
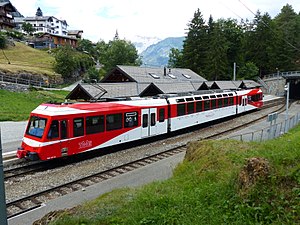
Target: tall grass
{"type": "Point", "coordinates": [205, 189]}
{"type": "Point", "coordinates": [16, 106]}
{"type": "Point", "coordinates": [24, 58]}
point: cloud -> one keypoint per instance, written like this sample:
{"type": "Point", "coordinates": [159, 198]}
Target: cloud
{"type": "Point", "coordinates": [159, 18]}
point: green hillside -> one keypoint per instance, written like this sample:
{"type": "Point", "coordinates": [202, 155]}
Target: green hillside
{"type": "Point", "coordinates": [219, 182]}
{"type": "Point", "coordinates": [23, 58]}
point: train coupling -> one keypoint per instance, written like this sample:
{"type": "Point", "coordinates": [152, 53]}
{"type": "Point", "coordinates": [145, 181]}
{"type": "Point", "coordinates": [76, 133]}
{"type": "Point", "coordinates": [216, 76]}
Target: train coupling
{"type": "Point", "coordinates": [22, 153]}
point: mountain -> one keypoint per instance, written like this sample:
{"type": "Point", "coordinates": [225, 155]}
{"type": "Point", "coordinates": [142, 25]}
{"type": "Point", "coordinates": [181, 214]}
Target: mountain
{"type": "Point", "coordinates": [157, 55]}
{"type": "Point", "coordinates": [141, 43]}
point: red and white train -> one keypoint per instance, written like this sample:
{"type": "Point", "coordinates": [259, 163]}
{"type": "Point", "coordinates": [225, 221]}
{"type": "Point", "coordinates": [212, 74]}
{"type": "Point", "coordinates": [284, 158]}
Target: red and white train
{"type": "Point", "coordinates": [57, 130]}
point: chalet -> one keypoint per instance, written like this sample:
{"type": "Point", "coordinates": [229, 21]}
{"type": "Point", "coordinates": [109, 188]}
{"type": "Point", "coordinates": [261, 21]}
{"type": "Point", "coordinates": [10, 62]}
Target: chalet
{"type": "Point", "coordinates": [125, 81]}
{"type": "Point", "coordinates": [47, 40]}
{"type": "Point", "coordinates": [6, 15]}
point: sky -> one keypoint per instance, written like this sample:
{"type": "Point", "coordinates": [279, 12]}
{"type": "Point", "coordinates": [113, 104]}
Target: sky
{"type": "Point", "coordinates": [99, 19]}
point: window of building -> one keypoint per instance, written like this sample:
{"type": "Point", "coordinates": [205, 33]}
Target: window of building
{"type": "Point", "coordinates": [172, 76]}
{"type": "Point", "coordinates": [130, 119]}
{"type": "Point", "coordinates": [154, 75]}
{"type": "Point", "coordinates": [161, 115]}
{"type": "Point", "coordinates": [113, 121]}
{"type": "Point", "coordinates": [78, 128]}
{"type": "Point", "coordinates": [186, 76]}
{"type": "Point", "coordinates": [94, 124]}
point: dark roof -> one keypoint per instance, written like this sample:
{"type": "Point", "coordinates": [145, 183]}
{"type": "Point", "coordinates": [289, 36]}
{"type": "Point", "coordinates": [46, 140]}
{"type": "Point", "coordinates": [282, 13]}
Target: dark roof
{"type": "Point", "coordinates": [250, 84]}
{"type": "Point", "coordinates": [155, 75]}
{"type": "Point", "coordinates": [225, 85]}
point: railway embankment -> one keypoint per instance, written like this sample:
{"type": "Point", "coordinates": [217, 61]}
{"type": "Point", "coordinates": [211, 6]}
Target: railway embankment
{"type": "Point", "coordinates": [219, 182]}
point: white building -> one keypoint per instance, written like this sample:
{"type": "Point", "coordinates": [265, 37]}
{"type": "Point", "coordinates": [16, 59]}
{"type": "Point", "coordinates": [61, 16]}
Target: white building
{"type": "Point", "coordinates": [48, 24]}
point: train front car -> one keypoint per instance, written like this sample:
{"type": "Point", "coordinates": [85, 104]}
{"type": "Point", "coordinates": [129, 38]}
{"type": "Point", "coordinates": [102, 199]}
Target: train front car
{"type": "Point", "coordinates": [58, 130]}
{"type": "Point", "coordinates": [39, 134]}
{"type": "Point", "coordinates": [249, 100]}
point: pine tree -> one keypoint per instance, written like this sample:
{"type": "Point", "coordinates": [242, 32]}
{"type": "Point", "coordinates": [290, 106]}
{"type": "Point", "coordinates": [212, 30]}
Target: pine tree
{"type": "Point", "coordinates": [39, 12]}
{"type": "Point", "coordinates": [195, 45]}
{"type": "Point", "coordinates": [287, 51]}
{"type": "Point", "coordinates": [217, 52]}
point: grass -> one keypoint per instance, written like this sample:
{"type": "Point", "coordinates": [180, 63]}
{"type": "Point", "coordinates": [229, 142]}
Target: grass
{"type": "Point", "coordinates": [16, 106]}
{"type": "Point", "coordinates": [206, 189]}
{"type": "Point", "coordinates": [26, 59]}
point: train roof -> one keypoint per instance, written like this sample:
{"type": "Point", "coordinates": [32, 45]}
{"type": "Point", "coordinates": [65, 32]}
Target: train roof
{"type": "Point", "coordinates": [50, 109]}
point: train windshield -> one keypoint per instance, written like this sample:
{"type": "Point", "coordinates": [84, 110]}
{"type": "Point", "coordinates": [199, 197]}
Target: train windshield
{"type": "Point", "coordinates": [36, 126]}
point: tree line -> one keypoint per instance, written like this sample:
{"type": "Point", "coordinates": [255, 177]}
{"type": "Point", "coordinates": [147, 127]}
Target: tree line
{"type": "Point", "coordinates": [258, 47]}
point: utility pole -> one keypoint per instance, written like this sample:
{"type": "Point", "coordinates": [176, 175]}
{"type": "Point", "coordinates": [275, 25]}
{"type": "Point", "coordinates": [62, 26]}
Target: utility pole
{"type": "Point", "coordinates": [3, 214]}
{"type": "Point", "coordinates": [287, 106]}
{"type": "Point", "coordinates": [277, 82]}
{"type": "Point", "coordinates": [234, 71]}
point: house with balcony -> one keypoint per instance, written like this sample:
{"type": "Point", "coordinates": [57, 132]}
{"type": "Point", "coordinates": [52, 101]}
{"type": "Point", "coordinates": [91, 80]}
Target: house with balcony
{"type": "Point", "coordinates": [6, 15]}
{"type": "Point", "coordinates": [48, 24]}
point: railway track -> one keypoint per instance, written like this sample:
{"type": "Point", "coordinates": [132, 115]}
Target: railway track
{"type": "Point", "coordinates": [36, 200]}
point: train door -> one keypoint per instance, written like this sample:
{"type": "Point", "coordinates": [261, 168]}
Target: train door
{"type": "Point", "coordinates": [244, 103]}
{"type": "Point", "coordinates": [149, 122]}
{"type": "Point", "coordinates": [64, 143]}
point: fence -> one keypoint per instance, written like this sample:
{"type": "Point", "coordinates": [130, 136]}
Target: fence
{"type": "Point", "coordinates": [16, 80]}
{"type": "Point", "coordinates": [270, 132]}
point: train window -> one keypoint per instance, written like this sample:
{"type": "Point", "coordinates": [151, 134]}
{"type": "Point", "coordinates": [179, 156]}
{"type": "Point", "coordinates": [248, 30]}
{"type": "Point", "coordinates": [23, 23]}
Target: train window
{"type": "Point", "coordinates": [36, 126]}
{"type": "Point", "coordinates": [225, 95]}
{"type": "Point", "coordinates": [206, 105]}
{"type": "Point", "coordinates": [153, 119]}
{"type": "Point", "coordinates": [145, 120]}
{"type": "Point", "coordinates": [205, 97]}
{"type": "Point", "coordinates": [63, 129]}
{"type": "Point", "coordinates": [213, 104]}
{"type": "Point", "coordinates": [230, 94]}
{"type": "Point", "coordinates": [225, 102]}
{"type": "Point", "coordinates": [219, 96]}
{"type": "Point", "coordinates": [78, 128]}
{"type": "Point", "coordinates": [180, 100]}
{"type": "Point", "coordinates": [212, 96]}
{"type": "Point", "coordinates": [220, 103]}
{"type": "Point", "coordinates": [198, 98]}
{"type": "Point", "coordinates": [113, 121]}
{"type": "Point", "coordinates": [199, 106]}
{"type": "Point", "coordinates": [180, 109]}
{"type": "Point", "coordinates": [231, 101]}
{"type": "Point", "coordinates": [131, 119]}
{"type": "Point", "coordinates": [190, 107]}
{"type": "Point", "coordinates": [94, 124]}
{"type": "Point", "coordinates": [189, 99]}
{"type": "Point", "coordinates": [161, 115]}
{"type": "Point", "coordinates": [54, 130]}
